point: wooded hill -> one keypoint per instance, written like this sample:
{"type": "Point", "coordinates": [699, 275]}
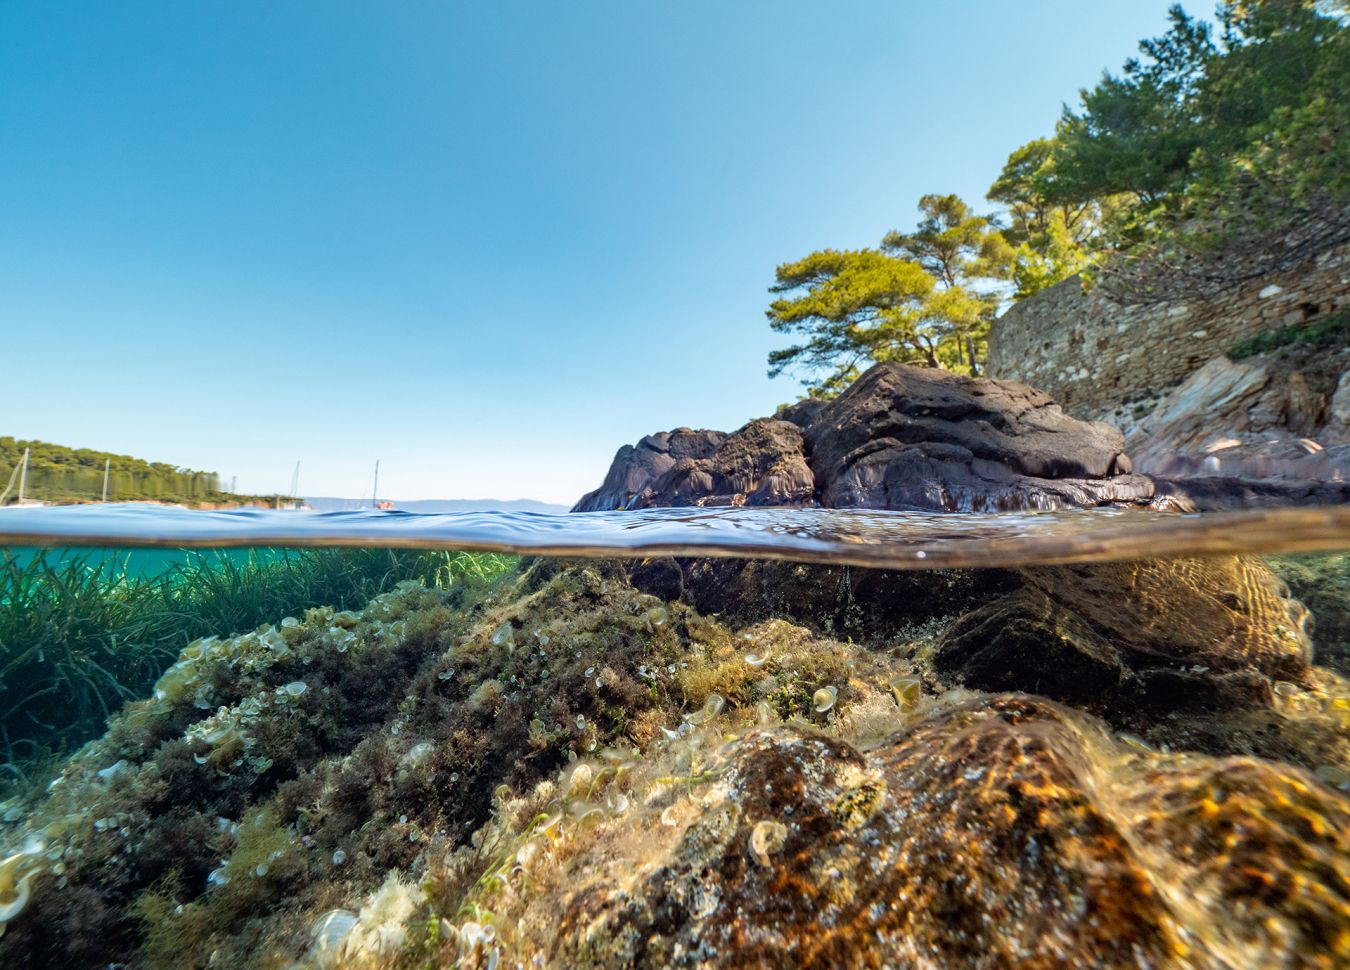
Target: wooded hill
{"type": "Point", "coordinates": [60, 474]}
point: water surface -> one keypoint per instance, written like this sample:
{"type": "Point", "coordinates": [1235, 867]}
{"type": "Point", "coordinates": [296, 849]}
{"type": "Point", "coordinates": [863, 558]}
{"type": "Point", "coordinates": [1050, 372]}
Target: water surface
{"type": "Point", "coordinates": [894, 540]}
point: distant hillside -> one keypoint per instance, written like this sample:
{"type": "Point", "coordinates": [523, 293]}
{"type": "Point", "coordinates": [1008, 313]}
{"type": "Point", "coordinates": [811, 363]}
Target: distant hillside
{"type": "Point", "coordinates": [330, 504]}
{"type": "Point", "coordinates": [57, 473]}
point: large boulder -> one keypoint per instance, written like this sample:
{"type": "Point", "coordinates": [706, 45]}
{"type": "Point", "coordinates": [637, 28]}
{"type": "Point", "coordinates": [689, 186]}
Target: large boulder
{"type": "Point", "coordinates": [900, 438]}
{"type": "Point", "coordinates": [637, 467]}
{"type": "Point", "coordinates": [907, 437]}
{"type": "Point", "coordinates": [1112, 636]}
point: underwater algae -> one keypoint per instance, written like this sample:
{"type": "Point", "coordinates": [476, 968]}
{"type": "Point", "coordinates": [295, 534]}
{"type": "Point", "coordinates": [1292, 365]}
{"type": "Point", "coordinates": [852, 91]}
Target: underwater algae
{"type": "Point", "coordinates": [82, 632]}
{"type": "Point", "coordinates": [573, 771]}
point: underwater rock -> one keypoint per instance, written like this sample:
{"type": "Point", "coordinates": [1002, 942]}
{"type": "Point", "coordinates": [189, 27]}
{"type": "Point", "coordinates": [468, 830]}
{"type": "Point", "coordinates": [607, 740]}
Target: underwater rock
{"type": "Point", "coordinates": [900, 438]}
{"type": "Point", "coordinates": [1107, 635]}
{"type": "Point", "coordinates": [981, 837]}
{"type": "Point", "coordinates": [838, 600]}
{"type": "Point", "coordinates": [574, 771]}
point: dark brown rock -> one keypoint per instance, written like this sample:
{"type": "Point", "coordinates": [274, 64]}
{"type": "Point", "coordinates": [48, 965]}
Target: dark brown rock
{"type": "Point", "coordinates": [864, 604]}
{"type": "Point", "coordinates": [908, 437]}
{"type": "Point", "coordinates": [900, 438]}
{"type": "Point", "coordinates": [761, 464]}
{"type": "Point", "coordinates": [1164, 632]}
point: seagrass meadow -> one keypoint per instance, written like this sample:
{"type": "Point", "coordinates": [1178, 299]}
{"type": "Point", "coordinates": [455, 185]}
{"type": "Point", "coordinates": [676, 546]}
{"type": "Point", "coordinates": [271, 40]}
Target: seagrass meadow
{"type": "Point", "coordinates": [82, 631]}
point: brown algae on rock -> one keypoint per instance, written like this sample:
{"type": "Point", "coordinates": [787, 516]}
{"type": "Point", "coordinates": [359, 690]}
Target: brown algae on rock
{"type": "Point", "coordinates": [622, 787]}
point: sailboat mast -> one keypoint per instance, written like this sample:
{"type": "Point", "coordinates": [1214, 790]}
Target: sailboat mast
{"type": "Point", "coordinates": [375, 492]}
{"type": "Point", "coordinates": [107, 463]}
{"type": "Point", "coordinates": [23, 475]}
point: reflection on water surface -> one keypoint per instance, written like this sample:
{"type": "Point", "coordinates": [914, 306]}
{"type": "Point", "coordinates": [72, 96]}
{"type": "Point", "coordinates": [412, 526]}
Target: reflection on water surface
{"type": "Point", "coordinates": [894, 540]}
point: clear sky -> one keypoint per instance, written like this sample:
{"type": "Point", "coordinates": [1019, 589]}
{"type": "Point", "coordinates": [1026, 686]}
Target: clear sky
{"type": "Point", "coordinates": [484, 243]}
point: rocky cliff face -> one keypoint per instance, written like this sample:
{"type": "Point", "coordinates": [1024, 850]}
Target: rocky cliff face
{"type": "Point", "coordinates": [1160, 372]}
{"type": "Point", "coordinates": [1276, 415]}
{"type": "Point", "coordinates": [900, 438]}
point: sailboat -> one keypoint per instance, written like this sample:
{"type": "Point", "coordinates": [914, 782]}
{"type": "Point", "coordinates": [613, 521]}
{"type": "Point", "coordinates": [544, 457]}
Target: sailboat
{"type": "Point", "coordinates": [21, 472]}
{"type": "Point", "coordinates": [375, 502]}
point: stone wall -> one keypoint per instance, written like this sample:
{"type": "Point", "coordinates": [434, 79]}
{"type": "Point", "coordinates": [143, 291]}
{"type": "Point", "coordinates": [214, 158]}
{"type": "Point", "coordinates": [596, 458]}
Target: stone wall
{"type": "Point", "coordinates": [1102, 360]}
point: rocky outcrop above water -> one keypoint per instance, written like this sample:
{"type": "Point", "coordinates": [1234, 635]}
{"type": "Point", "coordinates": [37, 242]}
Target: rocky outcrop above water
{"type": "Point", "coordinates": [1283, 415]}
{"type": "Point", "coordinates": [900, 438]}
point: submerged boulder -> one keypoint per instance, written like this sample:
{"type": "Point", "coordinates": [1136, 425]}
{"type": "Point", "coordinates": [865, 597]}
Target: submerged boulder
{"type": "Point", "coordinates": [573, 772]}
{"type": "Point", "coordinates": [900, 438]}
{"type": "Point", "coordinates": [996, 832]}
{"type": "Point", "coordinates": [1117, 636]}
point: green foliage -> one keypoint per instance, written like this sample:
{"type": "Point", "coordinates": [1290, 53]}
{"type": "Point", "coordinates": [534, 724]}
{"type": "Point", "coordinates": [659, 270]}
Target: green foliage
{"type": "Point", "coordinates": [853, 306]}
{"type": "Point", "coordinates": [1136, 131]}
{"type": "Point", "coordinates": [959, 249]}
{"type": "Point", "coordinates": [1212, 134]}
{"type": "Point", "coordinates": [1054, 256]}
{"type": "Point", "coordinates": [60, 474]}
{"type": "Point", "coordinates": [79, 635]}
{"type": "Point", "coordinates": [951, 242]}
{"type": "Point", "coordinates": [1331, 330]}
{"type": "Point", "coordinates": [1050, 240]}
{"type": "Point", "coordinates": [917, 300]}
{"type": "Point", "coordinates": [1206, 130]}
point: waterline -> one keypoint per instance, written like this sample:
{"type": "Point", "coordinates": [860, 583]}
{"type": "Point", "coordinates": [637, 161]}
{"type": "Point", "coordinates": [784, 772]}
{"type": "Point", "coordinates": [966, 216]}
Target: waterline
{"type": "Point", "coordinates": [893, 540]}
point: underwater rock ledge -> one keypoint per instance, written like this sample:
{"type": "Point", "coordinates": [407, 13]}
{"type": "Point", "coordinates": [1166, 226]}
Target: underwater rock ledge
{"type": "Point", "coordinates": [573, 771]}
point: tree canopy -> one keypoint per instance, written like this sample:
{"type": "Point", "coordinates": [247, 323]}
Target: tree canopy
{"type": "Point", "coordinates": [917, 299]}
{"type": "Point", "coordinates": [1221, 145]}
{"type": "Point", "coordinates": [1252, 111]}
{"type": "Point", "coordinates": [853, 306]}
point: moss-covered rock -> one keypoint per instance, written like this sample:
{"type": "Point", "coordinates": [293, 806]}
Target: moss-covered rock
{"type": "Point", "coordinates": [575, 770]}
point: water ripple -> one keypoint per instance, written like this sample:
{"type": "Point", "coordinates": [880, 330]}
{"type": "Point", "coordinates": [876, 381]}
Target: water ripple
{"type": "Point", "coordinates": [897, 540]}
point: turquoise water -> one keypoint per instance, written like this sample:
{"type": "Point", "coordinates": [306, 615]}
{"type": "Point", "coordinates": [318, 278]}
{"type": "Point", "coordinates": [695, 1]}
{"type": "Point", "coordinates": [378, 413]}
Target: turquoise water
{"type": "Point", "coordinates": [890, 539]}
{"type": "Point", "coordinates": [139, 562]}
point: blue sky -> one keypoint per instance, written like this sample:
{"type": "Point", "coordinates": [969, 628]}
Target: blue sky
{"type": "Point", "coordinates": [485, 244]}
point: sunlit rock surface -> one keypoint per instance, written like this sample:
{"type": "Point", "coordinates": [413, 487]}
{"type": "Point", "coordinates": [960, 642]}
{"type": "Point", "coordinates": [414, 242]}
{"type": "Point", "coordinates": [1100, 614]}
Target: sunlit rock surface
{"type": "Point", "coordinates": [998, 832]}
{"type": "Point", "coordinates": [900, 438]}
{"type": "Point", "coordinates": [1277, 415]}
